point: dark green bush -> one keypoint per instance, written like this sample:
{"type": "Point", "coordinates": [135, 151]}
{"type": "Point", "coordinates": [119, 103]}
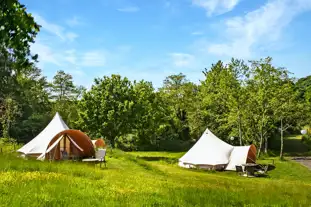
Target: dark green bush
{"type": "Point", "coordinates": [306, 139]}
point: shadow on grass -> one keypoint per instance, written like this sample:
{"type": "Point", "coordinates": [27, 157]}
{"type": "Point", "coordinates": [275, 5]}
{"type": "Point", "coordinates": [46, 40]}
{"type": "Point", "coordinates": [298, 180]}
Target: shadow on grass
{"type": "Point", "coordinates": [165, 159]}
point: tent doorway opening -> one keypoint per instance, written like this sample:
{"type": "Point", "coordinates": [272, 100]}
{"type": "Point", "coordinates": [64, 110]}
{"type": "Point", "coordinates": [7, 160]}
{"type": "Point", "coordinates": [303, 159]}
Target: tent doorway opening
{"type": "Point", "coordinates": [65, 148]}
{"type": "Point", "coordinates": [69, 145]}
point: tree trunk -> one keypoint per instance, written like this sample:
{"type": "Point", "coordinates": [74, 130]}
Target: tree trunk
{"type": "Point", "coordinates": [260, 145]}
{"type": "Point", "coordinates": [112, 142]}
{"type": "Point", "coordinates": [261, 136]}
{"type": "Point", "coordinates": [240, 131]}
{"type": "Point", "coordinates": [266, 145]}
{"type": "Point", "coordinates": [282, 141]}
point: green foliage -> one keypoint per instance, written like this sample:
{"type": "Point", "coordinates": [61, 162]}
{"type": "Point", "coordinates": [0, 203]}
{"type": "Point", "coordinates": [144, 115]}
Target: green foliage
{"type": "Point", "coordinates": [64, 96]}
{"type": "Point", "coordinates": [62, 87]}
{"type": "Point", "coordinates": [178, 94]}
{"type": "Point", "coordinates": [22, 88]}
{"type": "Point", "coordinates": [107, 109]}
{"type": "Point", "coordinates": [18, 29]}
{"type": "Point", "coordinates": [127, 142]}
{"type": "Point", "coordinates": [306, 139]}
{"type": "Point", "coordinates": [9, 115]}
{"type": "Point", "coordinates": [303, 86]}
{"type": "Point", "coordinates": [23, 94]}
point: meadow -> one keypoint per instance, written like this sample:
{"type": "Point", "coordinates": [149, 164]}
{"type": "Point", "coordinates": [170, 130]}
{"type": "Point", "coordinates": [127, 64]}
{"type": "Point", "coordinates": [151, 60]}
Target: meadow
{"type": "Point", "coordinates": [146, 179]}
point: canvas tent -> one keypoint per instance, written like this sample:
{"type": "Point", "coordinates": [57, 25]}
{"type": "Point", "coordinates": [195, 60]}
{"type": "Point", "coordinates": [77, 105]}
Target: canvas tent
{"type": "Point", "coordinates": [210, 152]}
{"type": "Point", "coordinates": [57, 138]}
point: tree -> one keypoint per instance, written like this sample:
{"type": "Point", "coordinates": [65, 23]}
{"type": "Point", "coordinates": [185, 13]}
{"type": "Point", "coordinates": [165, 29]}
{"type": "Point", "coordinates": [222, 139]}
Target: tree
{"type": "Point", "coordinates": [18, 29]}
{"type": "Point", "coordinates": [303, 87]}
{"type": "Point", "coordinates": [62, 87]}
{"type": "Point", "coordinates": [215, 94]}
{"type": "Point", "coordinates": [149, 115]}
{"type": "Point", "coordinates": [31, 93]}
{"type": "Point", "coordinates": [11, 111]}
{"type": "Point", "coordinates": [288, 111]}
{"type": "Point", "coordinates": [178, 93]}
{"type": "Point", "coordinates": [107, 109]}
{"type": "Point", "coordinates": [236, 78]}
{"type": "Point", "coordinates": [26, 88]}
{"type": "Point", "coordinates": [262, 87]}
{"type": "Point", "coordinates": [22, 88]}
{"type": "Point", "coordinates": [65, 95]}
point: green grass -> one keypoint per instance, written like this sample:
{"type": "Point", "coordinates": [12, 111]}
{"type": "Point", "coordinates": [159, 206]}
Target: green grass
{"type": "Point", "coordinates": [8, 148]}
{"type": "Point", "coordinates": [146, 179]}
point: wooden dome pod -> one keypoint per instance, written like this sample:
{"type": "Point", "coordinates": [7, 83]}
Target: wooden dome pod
{"type": "Point", "coordinates": [69, 144]}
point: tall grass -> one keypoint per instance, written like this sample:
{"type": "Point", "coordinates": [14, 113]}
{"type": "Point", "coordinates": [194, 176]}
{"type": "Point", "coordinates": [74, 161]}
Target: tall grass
{"type": "Point", "coordinates": [131, 179]}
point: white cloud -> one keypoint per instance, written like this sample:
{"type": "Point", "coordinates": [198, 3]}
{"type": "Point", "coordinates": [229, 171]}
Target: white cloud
{"type": "Point", "coordinates": [258, 28]}
{"type": "Point", "coordinates": [75, 21]}
{"type": "Point", "coordinates": [129, 9]}
{"type": "Point", "coordinates": [46, 54]}
{"type": "Point", "coordinates": [182, 59]}
{"type": "Point", "coordinates": [172, 6]}
{"type": "Point", "coordinates": [54, 29]}
{"type": "Point", "coordinates": [76, 71]}
{"type": "Point", "coordinates": [70, 36]}
{"type": "Point", "coordinates": [93, 59]}
{"type": "Point", "coordinates": [197, 33]}
{"type": "Point", "coordinates": [70, 56]}
{"type": "Point", "coordinates": [216, 7]}
{"type": "Point", "coordinates": [167, 4]}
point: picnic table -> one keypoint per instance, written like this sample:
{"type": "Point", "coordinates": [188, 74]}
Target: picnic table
{"type": "Point", "coordinates": [250, 169]}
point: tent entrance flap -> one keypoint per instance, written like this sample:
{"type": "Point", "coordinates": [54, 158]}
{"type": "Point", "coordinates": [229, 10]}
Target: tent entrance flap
{"type": "Point", "coordinates": [50, 148]}
{"type": "Point", "coordinates": [75, 144]}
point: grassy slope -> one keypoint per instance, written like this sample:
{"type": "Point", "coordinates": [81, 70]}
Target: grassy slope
{"type": "Point", "coordinates": [132, 181]}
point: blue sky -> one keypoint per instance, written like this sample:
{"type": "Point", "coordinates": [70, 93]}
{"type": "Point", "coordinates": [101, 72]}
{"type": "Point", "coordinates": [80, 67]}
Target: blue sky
{"type": "Point", "coordinates": [152, 39]}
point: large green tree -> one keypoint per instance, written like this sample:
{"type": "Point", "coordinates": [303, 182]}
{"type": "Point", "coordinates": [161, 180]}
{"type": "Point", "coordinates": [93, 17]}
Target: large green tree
{"type": "Point", "coordinates": [64, 95]}
{"type": "Point", "coordinates": [31, 93]}
{"type": "Point", "coordinates": [107, 109]}
{"type": "Point", "coordinates": [288, 111]}
{"type": "Point", "coordinates": [262, 89]}
{"type": "Point", "coordinates": [25, 93]}
{"type": "Point", "coordinates": [237, 73]}
{"type": "Point", "coordinates": [179, 93]}
{"type": "Point", "coordinates": [215, 94]}
{"type": "Point", "coordinates": [303, 87]}
{"type": "Point", "coordinates": [17, 31]}
{"type": "Point", "coordinates": [62, 87]}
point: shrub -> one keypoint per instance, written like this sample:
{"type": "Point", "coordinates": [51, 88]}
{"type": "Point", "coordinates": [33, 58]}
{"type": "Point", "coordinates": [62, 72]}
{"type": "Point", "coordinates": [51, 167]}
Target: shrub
{"type": "Point", "coordinates": [306, 139]}
{"type": "Point", "coordinates": [126, 142]}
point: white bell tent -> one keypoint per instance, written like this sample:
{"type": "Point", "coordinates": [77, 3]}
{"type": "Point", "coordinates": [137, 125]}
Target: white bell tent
{"type": "Point", "coordinates": [241, 155]}
{"type": "Point", "coordinates": [39, 144]}
{"type": "Point", "coordinates": [58, 142]}
{"type": "Point", "coordinates": [212, 153]}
